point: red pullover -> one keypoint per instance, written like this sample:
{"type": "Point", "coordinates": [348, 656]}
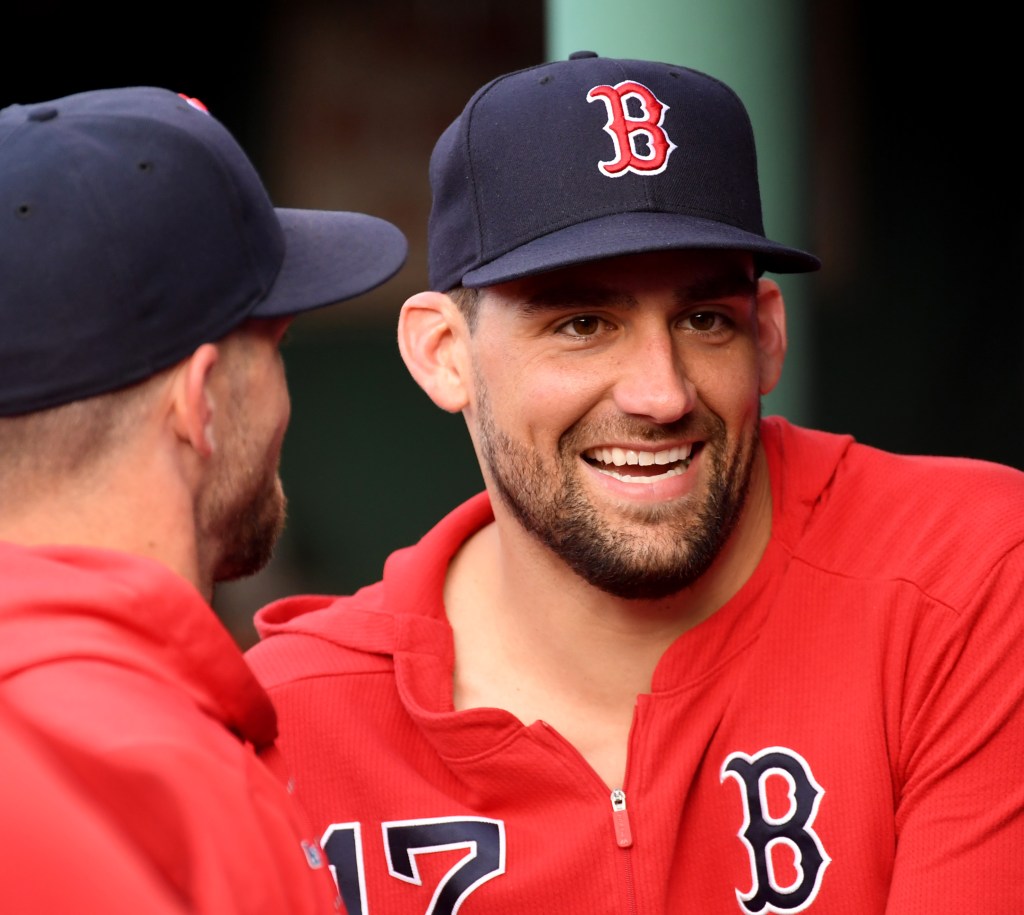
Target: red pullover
{"type": "Point", "coordinates": [136, 689]}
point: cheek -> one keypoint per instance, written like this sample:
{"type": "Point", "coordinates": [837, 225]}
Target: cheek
{"type": "Point", "coordinates": [271, 400]}
{"type": "Point", "coordinates": [538, 400]}
{"type": "Point", "coordinates": [284, 399]}
{"type": "Point", "coordinates": [284, 412]}
{"type": "Point", "coordinates": [730, 388]}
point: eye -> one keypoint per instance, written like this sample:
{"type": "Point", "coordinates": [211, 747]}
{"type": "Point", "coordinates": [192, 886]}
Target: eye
{"type": "Point", "coordinates": [706, 322]}
{"type": "Point", "coordinates": [581, 326]}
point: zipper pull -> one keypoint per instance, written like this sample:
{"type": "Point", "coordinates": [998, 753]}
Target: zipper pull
{"type": "Point", "coordinates": [620, 819]}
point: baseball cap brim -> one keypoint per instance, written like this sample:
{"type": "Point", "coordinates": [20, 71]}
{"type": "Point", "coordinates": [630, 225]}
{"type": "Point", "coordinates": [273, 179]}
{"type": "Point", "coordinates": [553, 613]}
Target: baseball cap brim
{"type": "Point", "coordinates": [329, 257]}
{"type": "Point", "coordinates": [635, 233]}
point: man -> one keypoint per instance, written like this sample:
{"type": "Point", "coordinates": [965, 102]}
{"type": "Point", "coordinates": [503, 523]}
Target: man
{"type": "Point", "coordinates": [146, 281]}
{"type": "Point", "coordinates": [677, 658]}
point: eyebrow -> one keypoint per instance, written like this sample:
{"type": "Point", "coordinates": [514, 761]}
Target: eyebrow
{"type": "Point", "coordinates": [583, 294]}
{"type": "Point", "coordinates": [720, 286]}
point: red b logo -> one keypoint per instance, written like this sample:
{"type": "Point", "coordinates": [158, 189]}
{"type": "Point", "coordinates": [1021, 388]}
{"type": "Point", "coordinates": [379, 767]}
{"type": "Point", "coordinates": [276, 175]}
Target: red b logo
{"type": "Point", "coordinates": [625, 130]}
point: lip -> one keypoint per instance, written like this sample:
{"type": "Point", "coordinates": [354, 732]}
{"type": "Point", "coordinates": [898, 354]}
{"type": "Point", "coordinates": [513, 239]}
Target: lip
{"type": "Point", "coordinates": [642, 473]}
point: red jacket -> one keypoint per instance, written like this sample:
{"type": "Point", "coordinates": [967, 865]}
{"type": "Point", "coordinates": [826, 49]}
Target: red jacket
{"type": "Point", "coordinates": [131, 683]}
{"type": "Point", "coordinates": [59, 851]}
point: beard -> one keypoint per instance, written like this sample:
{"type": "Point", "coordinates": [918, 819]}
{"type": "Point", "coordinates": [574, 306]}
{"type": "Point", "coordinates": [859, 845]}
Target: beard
{"type": "Point", "coordinates": [249, 526]}
{"type": "Point", "coordinates": [242, 512]}
{"type": "Point", "coordinates": [663, 548]}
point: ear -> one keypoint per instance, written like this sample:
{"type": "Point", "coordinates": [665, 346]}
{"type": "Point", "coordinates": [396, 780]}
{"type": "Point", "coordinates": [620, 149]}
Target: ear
{"type": "Point", "coordinates": [192, 400]}
{"type": "Point", "coordinates": [431, 339]}
{"type": "Point", "coordinates": [771, 333]}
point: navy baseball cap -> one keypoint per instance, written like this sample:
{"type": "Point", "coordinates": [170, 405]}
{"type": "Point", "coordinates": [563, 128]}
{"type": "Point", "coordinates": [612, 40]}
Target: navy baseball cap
{"type": "Point", "coordinates": [592, 157]}
{"type": "Point", "coordinates": [134, 228]}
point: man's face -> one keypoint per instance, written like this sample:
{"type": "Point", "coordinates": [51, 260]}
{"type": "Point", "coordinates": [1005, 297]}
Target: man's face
{"type": "Point", "coordinates": [616, 407]}
{"type": "Point", "coordinates": [242, 511]}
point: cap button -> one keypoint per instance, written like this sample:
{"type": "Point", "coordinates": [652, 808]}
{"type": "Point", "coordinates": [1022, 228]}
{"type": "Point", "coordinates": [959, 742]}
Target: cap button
{"type": "Point", "coordinates": [47, 113]}
{"type": "Point", "coordinates": [578, 55]}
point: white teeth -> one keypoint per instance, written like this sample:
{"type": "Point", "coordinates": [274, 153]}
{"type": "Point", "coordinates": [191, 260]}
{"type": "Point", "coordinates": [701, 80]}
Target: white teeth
{"type": "Point", "coordinates": [620, 457]}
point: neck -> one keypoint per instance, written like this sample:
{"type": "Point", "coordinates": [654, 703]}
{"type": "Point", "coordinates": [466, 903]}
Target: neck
{"type": "Point", "coordinates": [512, 600]}
{"type": "Point", "coordinates": [138, 515]}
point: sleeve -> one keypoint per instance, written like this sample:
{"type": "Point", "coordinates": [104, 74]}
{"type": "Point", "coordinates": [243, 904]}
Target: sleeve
{"type": "Point", "coordinates": [215, 826]}
{"type": "Point", "coordinates": [960, 811]}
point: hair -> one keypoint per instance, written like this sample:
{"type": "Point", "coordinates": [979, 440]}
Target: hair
{"type": "Point", "coordinates": [68, 440]}
{"type": "Point", "coordinates": [467, 300]}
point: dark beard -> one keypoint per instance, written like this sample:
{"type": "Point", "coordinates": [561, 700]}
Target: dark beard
{"type": "Point", "coordinates": [242, 516]}
{"type": "Point", "coordinates": [254, 532]}
{"type": "Point", "coordinates": [615, 561]}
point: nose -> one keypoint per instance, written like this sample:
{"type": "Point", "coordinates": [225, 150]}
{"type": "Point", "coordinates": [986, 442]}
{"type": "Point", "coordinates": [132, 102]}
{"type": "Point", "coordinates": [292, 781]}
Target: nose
{"type": "Point", "coordinates": [652, 382]}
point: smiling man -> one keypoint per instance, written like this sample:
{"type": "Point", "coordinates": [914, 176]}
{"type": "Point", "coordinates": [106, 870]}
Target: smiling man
{"type": "Point", "coordinates": [677, 657]}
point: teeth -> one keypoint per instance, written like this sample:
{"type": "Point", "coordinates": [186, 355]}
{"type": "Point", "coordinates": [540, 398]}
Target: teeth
{"type": "Point", "coordinates": [620, 457]}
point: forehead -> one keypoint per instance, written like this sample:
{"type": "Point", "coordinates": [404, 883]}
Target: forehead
{"type": "Point", "coordinates": [684, 275]}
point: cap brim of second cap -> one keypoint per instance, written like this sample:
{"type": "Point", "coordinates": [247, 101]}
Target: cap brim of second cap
{"type": "Point", "coordinates": [635, 233]}
{"type": "Point", "coordinates": [331, 256]}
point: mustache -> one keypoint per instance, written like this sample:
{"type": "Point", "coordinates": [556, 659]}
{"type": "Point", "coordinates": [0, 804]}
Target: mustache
{"type": "Point", "coordinates": [694, 427]}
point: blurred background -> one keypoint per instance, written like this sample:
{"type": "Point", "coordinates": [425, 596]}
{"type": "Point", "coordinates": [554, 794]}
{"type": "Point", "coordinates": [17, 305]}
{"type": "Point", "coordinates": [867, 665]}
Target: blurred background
{"type": "Point", "coordinates": [887, 145]}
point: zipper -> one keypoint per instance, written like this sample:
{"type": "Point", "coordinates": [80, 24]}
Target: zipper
{"type": "Point", "coordinates": [624, 839]}
{"type": "Point", "coordinates": [620, 819]}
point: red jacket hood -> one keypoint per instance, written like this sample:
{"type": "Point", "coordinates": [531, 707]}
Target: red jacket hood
{"type": "Point", "coordinates": [68, 602]}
